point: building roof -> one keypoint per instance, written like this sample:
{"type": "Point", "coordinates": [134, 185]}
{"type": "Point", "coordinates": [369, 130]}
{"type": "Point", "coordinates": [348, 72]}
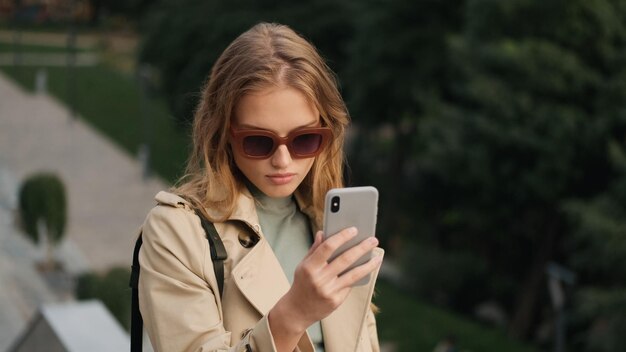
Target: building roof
{"type": "Point", "coordinates": [77, 326]}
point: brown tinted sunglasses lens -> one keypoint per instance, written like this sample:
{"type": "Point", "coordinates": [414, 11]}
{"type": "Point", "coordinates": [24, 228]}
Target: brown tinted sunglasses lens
{"type": "Point", "coordinates": [301, 145]}
{"type": "Point", "coordinates": [260, 144]}
{"type": "Point", "coordinates": [306, 144]}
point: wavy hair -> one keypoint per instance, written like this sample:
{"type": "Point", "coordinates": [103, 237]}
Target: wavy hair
{"type": "Point", "coordinates": [267, 55]}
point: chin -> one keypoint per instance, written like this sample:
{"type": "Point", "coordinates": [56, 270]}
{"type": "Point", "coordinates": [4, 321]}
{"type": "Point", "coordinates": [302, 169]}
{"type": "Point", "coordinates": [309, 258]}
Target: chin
{"type": "Point", "coordinates": [279, 191]}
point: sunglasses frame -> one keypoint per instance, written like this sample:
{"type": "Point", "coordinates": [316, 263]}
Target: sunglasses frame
{"type": "Point", "coordinates": [238, 136]}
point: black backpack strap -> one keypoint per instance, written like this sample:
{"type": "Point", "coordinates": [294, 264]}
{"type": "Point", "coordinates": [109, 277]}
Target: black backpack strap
{"type": "Point", "coordinates": [218, 255]}
{"type": "Point", "coordinates": [218, 252]}
{"type": "Point", "coordinates": [136, 322]}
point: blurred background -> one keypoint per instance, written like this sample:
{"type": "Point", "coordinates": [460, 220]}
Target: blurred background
{"type": "Point", "coordinates": [494, 131]}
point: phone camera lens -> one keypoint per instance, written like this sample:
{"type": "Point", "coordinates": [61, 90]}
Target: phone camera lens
{"type": "Point", "coordinates": [334, 204]}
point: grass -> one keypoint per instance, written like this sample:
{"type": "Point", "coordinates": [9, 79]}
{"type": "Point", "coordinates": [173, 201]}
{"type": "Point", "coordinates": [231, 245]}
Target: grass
{"type": "Point", "coordinates": [111, 102]}
{"type": "Point", "coordinates": [416, 326]}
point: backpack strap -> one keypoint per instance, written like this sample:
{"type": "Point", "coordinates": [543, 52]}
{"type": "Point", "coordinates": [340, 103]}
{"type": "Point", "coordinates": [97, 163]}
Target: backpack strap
{"type": "Point", "coordinates": [136, 322]}
{"type": "Point", "coordinates": [218, 252]}
{"type": "Point", "coordinates": [218, 255]}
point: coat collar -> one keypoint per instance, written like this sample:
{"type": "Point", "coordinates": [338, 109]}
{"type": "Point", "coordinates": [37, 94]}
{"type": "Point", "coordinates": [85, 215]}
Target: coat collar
{"type": "Point", "coordinates": [246, 210]}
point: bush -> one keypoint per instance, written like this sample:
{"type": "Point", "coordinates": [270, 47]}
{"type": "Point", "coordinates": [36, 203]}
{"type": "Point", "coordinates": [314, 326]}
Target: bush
{"type": "Point", "coordinates": [42, 198]}
{"type": "Point", "coordinates": [42, 202]}
{"type": "Point", "coordinates": [111, 288]}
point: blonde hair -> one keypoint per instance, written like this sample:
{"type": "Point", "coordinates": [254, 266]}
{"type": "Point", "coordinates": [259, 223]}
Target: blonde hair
{"type": "Point", "coordinates": [267, 55]}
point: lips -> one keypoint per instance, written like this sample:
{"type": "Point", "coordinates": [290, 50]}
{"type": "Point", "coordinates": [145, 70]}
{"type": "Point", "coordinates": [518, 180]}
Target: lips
{"type": "Point", "coordinates": [281, 179]}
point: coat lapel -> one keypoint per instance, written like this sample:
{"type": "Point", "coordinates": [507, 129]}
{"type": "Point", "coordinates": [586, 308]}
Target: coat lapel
{"type": "Point", "coordinates": [258, 275]}
{"type": "Point", "coordinates": [261, 280]}
{"type": "Point", "coordinates": [342, 329]}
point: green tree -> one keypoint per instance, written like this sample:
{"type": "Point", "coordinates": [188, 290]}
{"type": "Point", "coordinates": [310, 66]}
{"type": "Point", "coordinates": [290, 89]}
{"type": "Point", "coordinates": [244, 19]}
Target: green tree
{"type": "Point", "coordinates": [599, 239]}
{"type": "Point", "coordinates": [536, 93]}
{"type": "Point", "coordinates": [396, 66]}
{"type": "Point", "coordinates": [201, 30]}
{"type": "Point", "coordinates": [43, 208]}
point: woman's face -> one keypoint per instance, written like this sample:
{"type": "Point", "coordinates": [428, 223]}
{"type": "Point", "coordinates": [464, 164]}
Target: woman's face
{"type": "Point", "coordinates": [278, 110]}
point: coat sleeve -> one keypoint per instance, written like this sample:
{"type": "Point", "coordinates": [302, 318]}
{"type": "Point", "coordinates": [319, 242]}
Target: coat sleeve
{"type": "Point", "coordinates": [178, 295]}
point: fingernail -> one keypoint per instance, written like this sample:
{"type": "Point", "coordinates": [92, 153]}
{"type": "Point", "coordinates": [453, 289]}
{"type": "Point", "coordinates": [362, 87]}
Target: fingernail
{"type": "Point", "coordinates": [352, 231]}
{"type": "Point", "coordinates": [373, 240]}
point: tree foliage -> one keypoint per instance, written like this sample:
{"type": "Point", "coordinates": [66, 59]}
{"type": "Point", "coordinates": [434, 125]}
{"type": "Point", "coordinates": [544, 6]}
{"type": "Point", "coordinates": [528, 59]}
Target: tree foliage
{"type": "Point", "coordinates": [494, 131]}
{"type": "Point", "coordinates": [395, 67]}
{"type": "Point", "coordinates": [42, 199]}
{"type": "Point", "coordinates": [523, 133]}
{"type": "Point", "coordinates": [111, 288]}
{"type": "Point", "coordinates": [599, 241]}
{"type": "Point", "coordinates": [201, 30]}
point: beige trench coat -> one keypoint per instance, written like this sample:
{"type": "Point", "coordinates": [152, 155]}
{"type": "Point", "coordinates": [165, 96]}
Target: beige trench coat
{"type": "Point", "coordinates": [179, 299]}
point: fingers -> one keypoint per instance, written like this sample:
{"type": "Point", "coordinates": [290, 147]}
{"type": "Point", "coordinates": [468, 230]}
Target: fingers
{"type": "Point", "coordinates": [351, 277]}
{"type": "Point", "coordinates": [316, 265]}
{"type": "Point", "coordinates": [350, 256]}
{"type": "Point", "coordinates": [326, 248]}
{"type": "Point", "coordinates": [324, 286]}
{"type": "Point", "coordinates": [330, 245]}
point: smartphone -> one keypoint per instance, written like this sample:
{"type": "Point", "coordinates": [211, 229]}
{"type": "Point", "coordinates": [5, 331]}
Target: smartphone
{"type": "Point", "coordinates": [347, 207]}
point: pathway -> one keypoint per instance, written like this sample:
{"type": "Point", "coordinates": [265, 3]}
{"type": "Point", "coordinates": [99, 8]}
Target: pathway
{"type": "Point", "coordinates": [108, 199]}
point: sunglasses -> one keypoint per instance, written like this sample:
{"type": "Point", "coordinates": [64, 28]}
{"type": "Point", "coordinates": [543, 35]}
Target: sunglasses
{"type": "Point", "coordinates": [261, 144]}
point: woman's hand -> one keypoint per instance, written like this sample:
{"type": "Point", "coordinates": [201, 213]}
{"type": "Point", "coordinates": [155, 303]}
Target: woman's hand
{"type": "Point", "coordinates": [318, 289]}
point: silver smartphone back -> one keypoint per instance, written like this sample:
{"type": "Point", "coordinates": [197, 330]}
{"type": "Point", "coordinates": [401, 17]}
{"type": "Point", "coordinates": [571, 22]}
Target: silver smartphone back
{"type": "Point", "coordinates": [351, 206]}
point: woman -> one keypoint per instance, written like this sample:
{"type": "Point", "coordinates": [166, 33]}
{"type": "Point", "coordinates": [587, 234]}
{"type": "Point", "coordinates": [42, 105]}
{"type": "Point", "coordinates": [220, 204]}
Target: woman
{"type": "Point", "coordinates": [267, 146]}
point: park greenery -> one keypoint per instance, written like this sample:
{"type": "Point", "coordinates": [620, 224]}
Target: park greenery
{"type": "Point", "coordinates": [403, 316]}
{"type": "Point", "coordinates": [111, 288]}
{"type": "Point", "coordinates": [43, 212]}
{"type": "Point", "coordinates": [114, 103]}
{"type": "Point", "coordinates": [494, 131]}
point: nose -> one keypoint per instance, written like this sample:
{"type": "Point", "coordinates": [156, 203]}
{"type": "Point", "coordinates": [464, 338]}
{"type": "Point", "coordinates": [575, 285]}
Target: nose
{"type": "Point", "coordinates": [281, 157]}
